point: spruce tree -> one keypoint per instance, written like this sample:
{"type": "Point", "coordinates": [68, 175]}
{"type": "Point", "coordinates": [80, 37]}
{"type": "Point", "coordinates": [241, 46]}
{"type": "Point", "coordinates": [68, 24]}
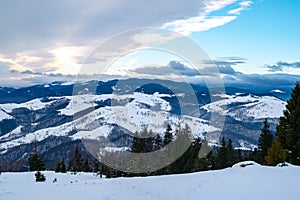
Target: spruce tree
{"type": "Point", "coordinates": [39, 177]}
{"type": "Point", "coordinates": [275, 154]}
{"type": "Point", "coordinates": [63, 168]}
{"type": "Point", "coordinates": [168, 136]}
{"type": "Point", "coordinates": [222, 156]}
{"type": "Point", "coordinates": [58, 167]}
{"type": "Point", "coordinates": [136, 144]}
{"type": "Point", "coordinates": [36, 162]}
{"type": "Point", "coordinates": [288, 130]}
{"type": "Point", "coordinates": [157, 142]}
{"type": "Point", "coordinates": [230, 154]}
{"type": "Point", "coordinates": [264, 142]}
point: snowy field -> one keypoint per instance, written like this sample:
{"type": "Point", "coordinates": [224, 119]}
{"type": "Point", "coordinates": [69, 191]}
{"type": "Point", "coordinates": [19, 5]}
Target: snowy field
{"type": "Point", "coordinates": [253, 182]}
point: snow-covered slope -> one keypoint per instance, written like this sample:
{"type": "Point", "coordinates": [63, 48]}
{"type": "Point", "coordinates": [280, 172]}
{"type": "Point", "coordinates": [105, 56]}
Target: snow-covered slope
{"type": "Point", "coordinates": [99, 115]}
{"type": "Point", "coordinates": [133, 112]}
{"type": "Point", "coordinates": [243, 108]}
{"type": "Point", "coordinates": [4, 115]}
{"type": "Point", "coordinates": [247, 183]}
{"type": "Point", "coordinates": [35, 104]}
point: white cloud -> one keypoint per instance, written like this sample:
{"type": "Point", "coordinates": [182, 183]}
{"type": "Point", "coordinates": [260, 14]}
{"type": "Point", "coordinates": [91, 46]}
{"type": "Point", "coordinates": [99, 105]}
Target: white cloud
{"type": "Point", "coordinates": [56, 36]}
{"type": "Point", "coordinates": [214, 5]}
{"type": "Point", "coordinates": [243, 6]}
{"type": "Point", "coordinates": [198, 24]}
{"type": "Point", "coordinates": [205, 20]}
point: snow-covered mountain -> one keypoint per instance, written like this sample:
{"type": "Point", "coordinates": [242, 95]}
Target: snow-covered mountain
{"type": "Point", "coordinates": [245, 107]}
{"type": "Point", "coordinates": [247, 183]}
{"type": "Point", "coordinates": [53, 116]}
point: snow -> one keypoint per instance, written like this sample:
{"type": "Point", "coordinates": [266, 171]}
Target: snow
{"type": "Point", "coordinates": [67, 83]}
{"type": "Point", "coordinates": [277, 91]}
{"type": "Point", "coordinates": [133, 116]}
{"type": "Point", "coordinates": [78, 103]}
{"type": "Point", "coordinates": [94, 134]}
{"type": "Point", "coordinates": [251, 106]}
{"type": "Point", "coordinates": [249, 182]}
{"type": "Point", "coordinates": [34, 104]}
{"type": "Point", "coordinates": [4, 115]}
{"type": "Point", "coordinates": [142, 110]}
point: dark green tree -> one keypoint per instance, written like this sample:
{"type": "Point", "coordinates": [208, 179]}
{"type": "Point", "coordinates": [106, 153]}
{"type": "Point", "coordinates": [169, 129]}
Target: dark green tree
{"type": "Point", "coordinates": [58, 167]}
{"type": "Point", "coordinates": [157, 142]}
{"type": "Point", "coordinates": [136, 145]}
{"type": "Point", "coordinates": [264, 142]}
{"type": "Point", "coordinates": [221, 157]}
{"type": "Point", "coordinates": [36, 162]}
{"type": "Point", "coordinates": [75, 162]}
{"type": "Point", "coordinates": [276, 154]}
{"type": "Point", "coordinates": [39, 177]}
{"type": "Point", "coordinates": [168, 136]}
{"type": "Point", "coordinates": [288, 130]}
{"type": "Point", "coordinates": [231, 153]}
{"type": "Point", "coordinates": [85, 166]}
{"type": "Point", "coordinates": [63, 168]}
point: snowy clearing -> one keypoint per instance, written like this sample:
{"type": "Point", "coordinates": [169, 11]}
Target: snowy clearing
{"type": "Point", "coordinates": [246, 183]}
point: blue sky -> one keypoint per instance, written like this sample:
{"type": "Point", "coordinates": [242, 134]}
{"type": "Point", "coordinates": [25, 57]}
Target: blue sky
{"type": "Point", "coordinates": [49, 41]}
{"type": "Point", "coordinates": [264, 34]}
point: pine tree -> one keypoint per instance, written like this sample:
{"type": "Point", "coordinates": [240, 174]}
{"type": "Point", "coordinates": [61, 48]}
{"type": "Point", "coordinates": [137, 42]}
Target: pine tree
{"type": "Point", "coordinates": [39, 177]}
{"type": "Point", "coordinates": [63, 168]}
{"type": "Point", "coordinates": [222, 156]}
{"type": "Point", "coordinates": [230, 154]}
{"type": "Point", "coordinates": [264, 142]}
{"type": "Point", "coordinates": [148, 141]}
{"type": "Point", "coordinates": [86, 166]}
{"type": "Point", "coordinates": [75, 162]}
{"type": "Point", "coordinates": [136, 144]}
{"type": "Point", "coordinates": [168, 136]}
{"type": "Point", "coordinates": [275, 154]}
{"type": "Point", "coordinates": [157, 142]}
{"type": "Point", "coordinates": [36, 162]}
{"type": "Point", "coordinates": [288, 130]}
{"type": "Point", "coordinates": [58, 167]}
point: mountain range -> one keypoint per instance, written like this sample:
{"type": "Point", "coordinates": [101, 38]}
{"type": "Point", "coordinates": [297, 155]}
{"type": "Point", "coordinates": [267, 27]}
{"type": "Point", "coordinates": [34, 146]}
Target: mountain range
{"type": "Point", "coordinates": [59, 115]}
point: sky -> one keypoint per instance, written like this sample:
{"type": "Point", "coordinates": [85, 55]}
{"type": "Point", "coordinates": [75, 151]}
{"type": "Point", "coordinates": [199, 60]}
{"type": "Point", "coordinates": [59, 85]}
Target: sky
{"type": "Point", "coordinates": [55, 40]}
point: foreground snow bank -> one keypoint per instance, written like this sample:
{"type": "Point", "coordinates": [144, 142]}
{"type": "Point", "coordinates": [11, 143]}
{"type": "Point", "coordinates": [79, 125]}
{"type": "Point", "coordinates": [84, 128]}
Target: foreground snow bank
{"type": "Point", "coordinates": [246, 181]}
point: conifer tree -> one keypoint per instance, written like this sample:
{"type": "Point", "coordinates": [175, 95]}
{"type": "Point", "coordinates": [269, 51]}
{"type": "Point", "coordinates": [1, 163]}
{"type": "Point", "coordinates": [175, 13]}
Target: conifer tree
{"type": "Point", "coordinates": [86, 166]}
{"type": "Point", "coordinates": [264, 142]}
{"type": "Point", "coordinates": [63, 168]}
{"type": "Point", "coordinates": [136, 144]}
{"type": "Point", "coordinates": [230, 153]}
{"type": "Point", "coordinates": [275, 154]}
{"type": "Point", "coordinates": [222, 156]}
{"type": "Point", "coordinates": [39, 177]}
{"type": "Point", "coordinates": [58, 167]}
{"type": "Point", "coordinates": [157, 142]}
{"type": "Point", "coordinates": [168, 136]}
{"type": "Point", "coordinates": [35, 160]}
{"type": "Point", "coordinates": [288, 130]}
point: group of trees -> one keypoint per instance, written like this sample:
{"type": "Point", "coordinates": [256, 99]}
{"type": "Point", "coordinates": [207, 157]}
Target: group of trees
{"type": "Point", "coordinates": [198, 157]}
{"type": "Point", "coordinates": [285, 146]}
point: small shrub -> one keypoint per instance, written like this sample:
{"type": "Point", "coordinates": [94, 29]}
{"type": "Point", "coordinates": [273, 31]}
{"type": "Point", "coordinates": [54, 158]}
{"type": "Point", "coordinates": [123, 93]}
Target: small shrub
{"type": "Point", "coordinates": [39, 177]}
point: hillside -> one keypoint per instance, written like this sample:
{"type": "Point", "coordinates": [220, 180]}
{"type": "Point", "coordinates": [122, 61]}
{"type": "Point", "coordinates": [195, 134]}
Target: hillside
{"type": "Point", "coordinates": [51, 115]}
